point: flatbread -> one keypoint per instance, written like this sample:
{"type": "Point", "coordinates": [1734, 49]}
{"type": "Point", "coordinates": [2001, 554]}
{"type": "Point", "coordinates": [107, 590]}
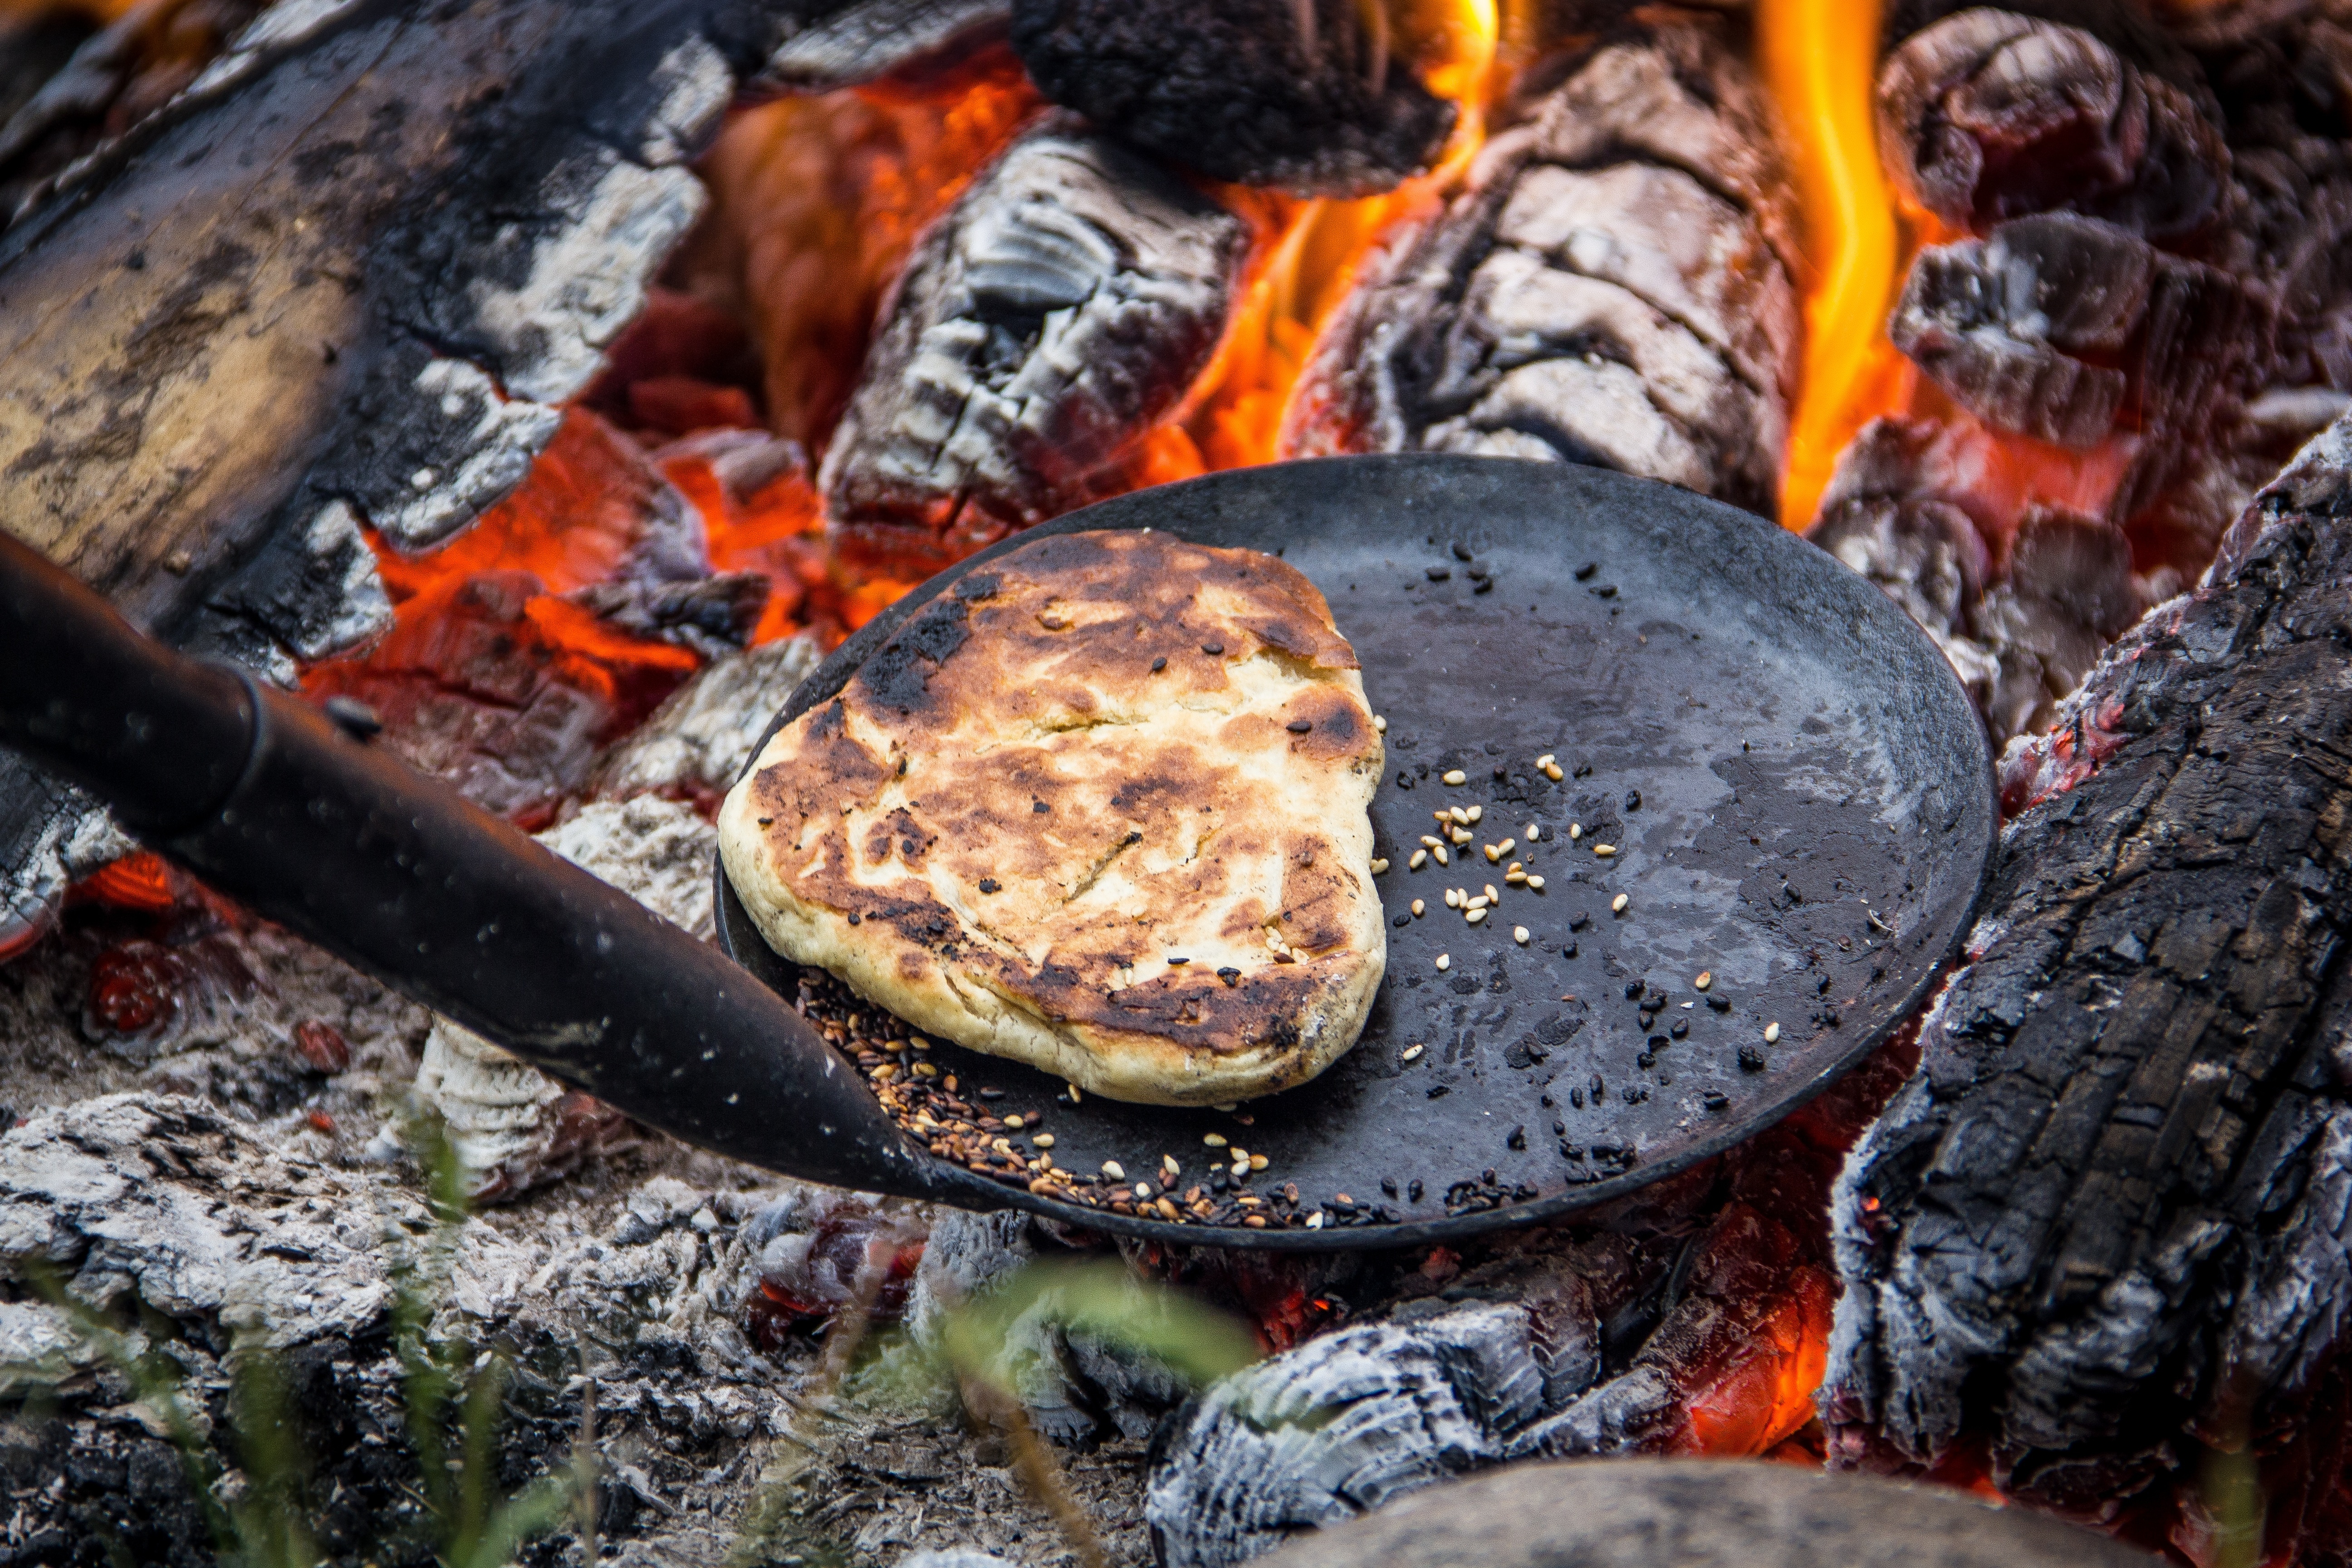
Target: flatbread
{"type": "Point", "coordinates": [1100, 753]}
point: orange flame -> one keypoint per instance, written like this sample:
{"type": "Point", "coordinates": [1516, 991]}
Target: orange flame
{"type": "Point", "coordinates": [1818, 59]}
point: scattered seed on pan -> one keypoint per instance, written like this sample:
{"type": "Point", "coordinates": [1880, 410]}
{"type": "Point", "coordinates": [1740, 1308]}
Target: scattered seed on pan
{"type": "Point", "coordinates": [1112, 1169]}
{"type": "Point", "coordinates": [1519, 935]}
{"type": "Point", "coordinates": [1617, 905]}
{"type": "Point", "coordinates": [1477, 915]}
{"type": "Point", "coordinates": [1413, 1053]}
{"type": "Point", "coordinates": [1380, 723]}
{"type": "Point", "coordinates": [1705, 978]}
{"type": "Point", "coordinates": [1042, 1140]}
{"type": "Point", "coordinates": [1575, 831]}
{"type": "Point", "coordinates": [1444, 960]}
{"type": "Point", "coordinates": [1213, 1139]}
{"type": "Point", "coordinates": [1507, 846]}
{"type": "Point", "coordinates": [1454, 776]}
{"type": "Point", "coordinates": [1679, 1028]}
{"type": "Point", "coordinates": [1771, 1033]}
{"type": "Point", "coordinates": [1534, 832]}
{"type": "Point", "coordinates": [1453, 898]}
{"type": "Point", "coordinates": [1417, 908]}
{"type": "Point", "coordinates": [1440, 853]}
{"type": "Point", "coordinates": [1494, 853]}
{"type": "Point", "coordinates": [1258, 1161]}
{"type": "Point", "coordinates": [1516, 877]}
{"type": "Point", "coordinates": [1493, 897]}
{"type": "Point", "coordinates": [1584, 572]}
{"type": "Point", "coordinates": [1458, 817]}
{"type": "Point", "coordinates": [1420, 859]}
{"type": "Point", "coordinates": [1431, 841]}
{"type": "Point", "coordinates": [1604, 850]}
{"type": "Point", "coordinates": [1461, 552]}
{"type": "Point", "coordinates": [1535, 882]}
{"type": "Point", "coordinates": [1474, 812]}
{"type": "Point", "coordinates": [1404, 778]}
{"type": "Point", "coordinates": [1378, 866]}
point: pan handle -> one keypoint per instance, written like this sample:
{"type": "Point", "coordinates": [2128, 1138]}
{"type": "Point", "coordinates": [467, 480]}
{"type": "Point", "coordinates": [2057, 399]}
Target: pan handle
{"type": "Point", "coordinates": [340, 841]}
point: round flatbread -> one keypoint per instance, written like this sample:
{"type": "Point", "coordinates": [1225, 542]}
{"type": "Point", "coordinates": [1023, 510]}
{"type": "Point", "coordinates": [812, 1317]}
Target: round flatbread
{"type": "Point", "coordinates": [1102, 807]}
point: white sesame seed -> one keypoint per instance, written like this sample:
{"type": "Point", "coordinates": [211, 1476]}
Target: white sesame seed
{"type": "Point", "coordinates": [1459, 834]}
{"type": "Point", "coordinates": [1604, 850]}
{"type": "Point", "coordinates": [1444, 960]}
{"type": "Point", "coordinates": [1226, 1110]}
{"type": "Point", "coordinates": [1534, 832]}
{"type": "Point", "coordinates": [1379, 723]}
{"type": "Point", "coordinates": [1454, 776]}
{"type": "Point", "coordinates": [1431, 840]}
{"type": "Point", "coordinates": [1515, 877]}
{"type": "Point", "coordinates": [1074, 1095]}
{"type": "Point", "coordinates": [1507, 846]}
{"type": "Point", "coordinates": [1536, 883]}
{"type": "Point", "coordinates": [1258, 1161]}
{"type": "Point", "coordinates": [1417, 907]}
{"type": "Point", "coordinates": [1112, 1169]}
{"type": "Point", "coordinates": [1315, 1220]}
{"type": "Point", "coordinates": [1413, 1053]}
{"type": "Point", "coordinates": [1477, 915]}
{"type": "Point", "coordinates": [1420, 859]}
{"type": "Point", "coordinates": [1043, 1141]}
{"type": "Point", "coordinates": [1552, 772]}
{"type": "Point", "coordinates": [1015, 1122]}
{"type": "Point", "coordinates": [1493, 897]}
{"type": "Point", "coordinates": [1617, 905]}
{"type": "Point", "coordinates": [1443, 816]}
{"type": "Point", "coordinates": [1378, 866]}
{"type": "Point", "coordinates": [1545, 760]}
{"type": "Point", "coordinates": [1519, 935]}
{"type": "Point", "coordinates": [1213, 1139]}
{"type": "Point", "coordinates": [1494, 853]}
{"type": "Point", "coordinates": [1167, 1164]}
{"type": "Point", "coordinates": [1771, 1033]}
{"type": "Point", "coordinates": [1454, 813]}
{"type": "Point", "coordinates": [1480, 902]}
{"type": "Point", "coordinates": [1705, 978]}
{"type": "Point", "coordinates": [1575, 831]}
{"type": "Point", "coordinates": [1476, 812]}
{"type": "Point", "coordinates": [1440, 853]}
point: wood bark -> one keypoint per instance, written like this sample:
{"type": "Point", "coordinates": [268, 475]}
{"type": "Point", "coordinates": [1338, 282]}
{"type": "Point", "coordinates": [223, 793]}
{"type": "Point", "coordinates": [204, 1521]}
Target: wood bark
{"type": "Point", "coordinates": [1612, 285]}
{"type": "Point", "coordinates": [2108, 1217]}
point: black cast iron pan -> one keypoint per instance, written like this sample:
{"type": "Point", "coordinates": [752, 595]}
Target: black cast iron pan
{"type": "Point", "coordinates": [1798, 794]}
{"type": "Point", "coordinates": [1815, 817]}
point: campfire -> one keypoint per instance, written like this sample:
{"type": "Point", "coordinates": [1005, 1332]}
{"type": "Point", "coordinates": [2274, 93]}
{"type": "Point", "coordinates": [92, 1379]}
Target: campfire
{"type": "Point", "coordinates": [615, 421]}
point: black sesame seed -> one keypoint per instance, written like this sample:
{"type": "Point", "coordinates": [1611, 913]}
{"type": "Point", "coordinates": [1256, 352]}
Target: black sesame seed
{"type": "Point", "coordinates": [1402, 921]}
{"type": "Point", "coordinates": [855, 920]}
{"type": "Point", "coordinates": [1606, 591]}
{"type": "Point", "coordinates": [1229, 974]}
{"type": "Point", "coordinates": [1580, 919]}
{"type": "Point", "coordinates": [1584, 572]}
{"type": "Point", "coordinates": [1569, 952]}
{"type": "Point", "coordinates": [1175, 962]}
{"type": "Point", "coordinates": [1213, 649]}
{"type": "Point", "coordinates": [1412, 1192]}
{"type": "Point", "coordinates": [1440, 573]}
{"type": "Point", "coordinates": [1633, 989]}
{"type": "Point", "coordinates": [990, 884]}
{"type": "Point", "coordinates": [1518, 1140]}
{"type": "Point", "coordinates": [1486, 587]}
{"type": "Point", "coordinates": [1680, 1028]}
{"type": "Point", "coordinates": [1404, 778]}
{"type": "Point", "coordinates": [1751, 1059]}
{"type": "Point", "coordinates": [1717, 1099]}
{"type": "Point", "coordinates": [1720, 1004]}
{"type": "Point", "coordinates": [1134, 837]}
{"type": "Point", "coordinates": [1388, 1186]}
{"type": "Point", "coordinates": [1632, 800]}
{"type": "Point", "coordinates": [1039, 805]}
{"type": "Point", "coordinates": [1158, 664]}
{"type": "Point", "coordinates": [1462, 552]}
{"type": "Point", "coordinates": [1299, 726]}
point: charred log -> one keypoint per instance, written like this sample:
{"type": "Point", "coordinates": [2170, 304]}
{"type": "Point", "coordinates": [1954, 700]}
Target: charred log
{"type": "Point", "coordinates": [1062, 310]}
{"type": "Point", "coordinates": [1313, 96]}
{"type": "Point", "coordinates": [1611, 285]}
{"type": "Point", "coordinates": [875, 38]}
{"type": "Point", "coordinates": [1989, 114]}
{"type": "Point", "coordinates": [2107, 1209]}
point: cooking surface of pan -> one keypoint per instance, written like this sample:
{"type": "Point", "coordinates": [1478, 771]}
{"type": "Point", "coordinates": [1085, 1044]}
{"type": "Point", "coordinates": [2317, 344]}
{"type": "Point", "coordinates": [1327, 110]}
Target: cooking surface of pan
{"type": "Point", "coordinates": [1796, 791]}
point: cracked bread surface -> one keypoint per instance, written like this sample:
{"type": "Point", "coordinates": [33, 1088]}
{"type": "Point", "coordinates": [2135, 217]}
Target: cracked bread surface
{"type": "Point", "coordinates": [1103, 808]}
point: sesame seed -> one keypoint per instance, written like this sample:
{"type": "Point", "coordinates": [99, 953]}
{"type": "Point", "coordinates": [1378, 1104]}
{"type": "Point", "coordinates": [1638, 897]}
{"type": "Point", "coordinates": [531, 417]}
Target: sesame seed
{"type": "Point", "coordinates": [1043, 1141]}
{"type": "Point", "coordinates": [1604, 850]}
{"type": "Point", "coordinates": [1299, 726]}
{"type": "Point", "coordinates": [1617, 905]}
{"type": "Point", "coordinates": [1478, 902]}
{"type": "Point", "coordinates": [1453, 899]}
{"type": "Point", "coordinates": [1477, 915]}
{"type": "Point", "coordinates": [1493, 897]}
{"type": "Point", "coordinates": [1315, 1220]}
{"type": "Point", "coordinates": [1771, 1033]}
{"type": "Point", "coordinates": [1017, 1123]}
{"type": "Point", "coordinates": [1458, 835]}
{"type": "Point", "coordinates": [1494, 853]}
{"type": "Point", "coordinates": [1433, 841]}
{"type": "Point", "coordinates": [1413, 1053]}
{"type": "Point", "coordinates": [1258, 1161]}
{"type": "Point", "coordinates": [1534, 832]}
{"type": "Point", "coordinates": [1177, 963]}
{"type": "Point", "coordinates": [1705, 978]}
{"type": "Point", "coordinates": [1444, 960]}
{"type": "Point", "coordinates": [1475, 812]}
{"type": "Point", "coordinates": [1454, 776]}
{"type": "Point", "coordinates": [1575, 831]}
{"type": "Point", "coordinates": [919, 1043]}
{"type": "Point", "coordinates": [1440, 853]}
{"type": "Point", "coordinates": [1378, 866]}
{"type": "Point", "coordinates": [1420, 859]}
{"type": "Point", "coordinates": [1536, 882]}
{"type": "Point", "coordinates": [1515, 877]}
{"type": "Point", "coordinates": [1379, 723]}
{"type": "Point", "coordinates": [1112, 1169]}
{"type": "Point", "coordinates": [1074, 1095]}
{"type": "Point", "coordinates": [926, 1069]}
{"type": "Point", "coordinates": [1457, 814]}
{"type": "Point", "coordinates": [1507, 846]}
{"type": "Point", "coordinates": [1142, 1191]}
{"type": "Point", "coordinates": [1545, 760]}
{"type": "Point", "coordinates": [1519, 935]}
{"type": "Point", "coordinates": [1417, 908]}
{"type": "Point", "coordinates": [1167, 1164]}
{"type": "Point", "coordinates": [1213, 1139]}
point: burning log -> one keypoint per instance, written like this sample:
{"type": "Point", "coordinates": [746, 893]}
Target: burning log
{"type": "Point", "coordinates": [1611, 286]}
{"type": "Point", "coordinates": [1041, 331]}
{"type": "Point", "coordinates": [2107, 1210]}
{"type": "Point", "coordinates": [1316, 97]}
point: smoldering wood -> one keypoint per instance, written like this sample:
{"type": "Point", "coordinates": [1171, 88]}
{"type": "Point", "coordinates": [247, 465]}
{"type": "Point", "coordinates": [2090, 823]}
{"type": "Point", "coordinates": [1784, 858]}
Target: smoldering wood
{"type": "Point", "coordinates": [347, 274]}
{"type": "Point", "coordinates": [1697, 1514]}
{"type": "Point", "coordinates": [1612, 285]}
{"type": "Point", "coordinates": [1989, 114]}
{"type": "Point", "coordinates": [2107, 1208]}
{"type": "Point", "coordinates": [1060, 311]}
{"type": "Point", "coordinates": [868, 40]}
{"type": "Point", "coordinates": [1307, 95]}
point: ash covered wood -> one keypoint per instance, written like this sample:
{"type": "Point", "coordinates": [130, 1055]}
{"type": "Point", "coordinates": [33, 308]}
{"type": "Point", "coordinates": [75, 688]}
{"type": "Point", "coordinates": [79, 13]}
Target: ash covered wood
{"type": "Point", "coordinates": [873, 39]}
{"type": "Point", "coordinates": [2109, 1209]}
{"type": "Point", "coordinates": [1313, 96]}
{"type": "Point", "coordinates": [1611, 285]}
{"type": "Point", "coordinates": [1059, 311]}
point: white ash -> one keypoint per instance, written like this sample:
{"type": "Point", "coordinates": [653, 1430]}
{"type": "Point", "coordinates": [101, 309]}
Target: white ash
{"type": "Point", "coordinates": [510, 1126]}
{"type": "Point", "coordinates": [958, 1559]}
{"type": "Point", "coordinates": [702, 737]}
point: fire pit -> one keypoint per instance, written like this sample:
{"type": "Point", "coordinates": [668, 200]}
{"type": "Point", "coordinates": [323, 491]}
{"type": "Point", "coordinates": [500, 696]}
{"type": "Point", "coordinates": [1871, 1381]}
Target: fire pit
{"type": "Point", "coordinates": [542, 391]}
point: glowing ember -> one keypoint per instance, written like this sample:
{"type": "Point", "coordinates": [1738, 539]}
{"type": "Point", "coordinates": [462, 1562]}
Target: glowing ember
{"type": "Point", "coordinates": [1819, 59]}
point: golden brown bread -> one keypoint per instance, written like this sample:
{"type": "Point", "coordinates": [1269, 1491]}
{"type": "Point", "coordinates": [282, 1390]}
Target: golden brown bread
{"type": "Point", "coordinates": [1099, 754]}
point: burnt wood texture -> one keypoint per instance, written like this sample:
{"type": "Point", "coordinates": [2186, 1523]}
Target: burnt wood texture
{"type": "Point", "coordinates": [2105, 1222]}
{"type": "Point", "coordinates": [1612, 285]}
